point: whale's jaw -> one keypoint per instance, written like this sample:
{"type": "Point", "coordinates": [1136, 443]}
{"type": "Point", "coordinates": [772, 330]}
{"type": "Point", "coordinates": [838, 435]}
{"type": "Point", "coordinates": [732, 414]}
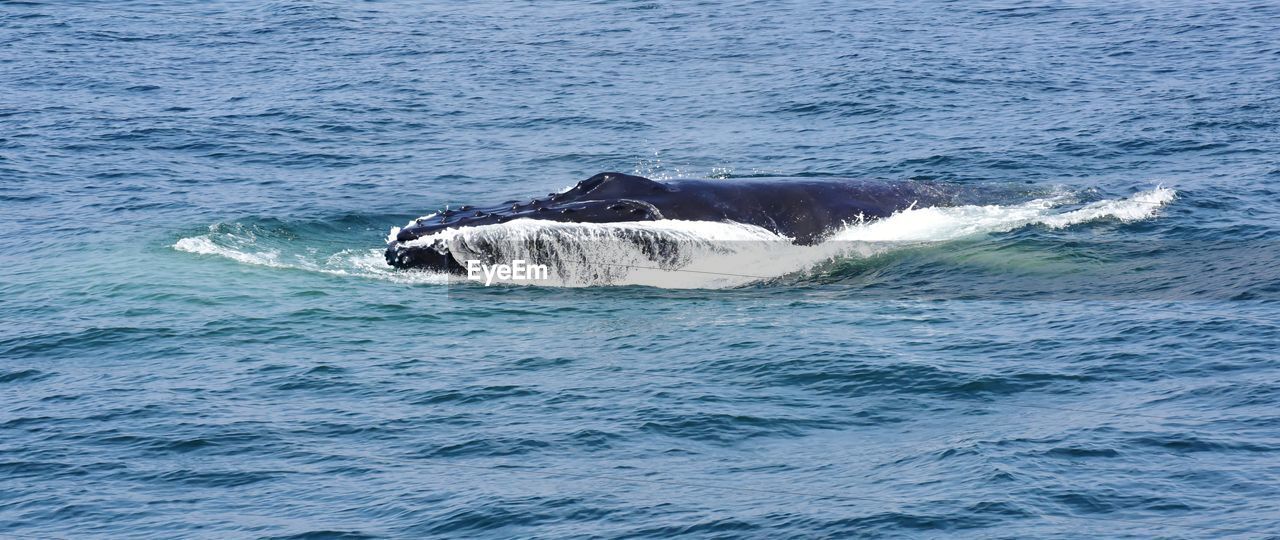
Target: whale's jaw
{"type": "Point", "coordinates": [412, 246]}
{"type": "Point", "coordinates": [603, 198]}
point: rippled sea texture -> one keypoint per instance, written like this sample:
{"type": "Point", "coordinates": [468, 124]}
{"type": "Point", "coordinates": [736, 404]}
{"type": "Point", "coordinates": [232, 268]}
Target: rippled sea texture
{"type": "Point", "coordinates": [283, 383]}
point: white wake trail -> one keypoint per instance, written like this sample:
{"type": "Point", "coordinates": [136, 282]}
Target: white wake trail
{"type": "Point", "coordinates": [693, 254]}
{"type": "Point", "coordinates": [678, 254]}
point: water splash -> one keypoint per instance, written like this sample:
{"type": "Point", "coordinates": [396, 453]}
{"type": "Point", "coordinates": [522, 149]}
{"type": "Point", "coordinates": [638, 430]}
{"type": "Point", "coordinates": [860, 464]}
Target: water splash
{"type": "Point", "coordinates": [247, 245]}
{"type": "Point", "coordinates": [688, 254]}
{"type": "Point", "coordinates": [669, 253]}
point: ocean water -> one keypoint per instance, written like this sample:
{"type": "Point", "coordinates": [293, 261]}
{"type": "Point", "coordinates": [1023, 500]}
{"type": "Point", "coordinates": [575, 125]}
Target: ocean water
{"type": "Point", "coordinates": [199, 337]}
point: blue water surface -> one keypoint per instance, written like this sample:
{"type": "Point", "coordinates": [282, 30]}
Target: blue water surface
{"type": "Point", "coordinates": [198, 337]}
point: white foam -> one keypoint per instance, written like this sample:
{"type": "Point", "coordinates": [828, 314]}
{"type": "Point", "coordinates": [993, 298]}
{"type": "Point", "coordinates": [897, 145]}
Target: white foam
{"type": "Point", "coordinates": [243, 247]}
{"type": "Point", "coordinates": [692, 254]}
{"type": "Point", "coordinates": [204, 245]}
{"type": "Point", "coordinates": [686, 254]}
{"type": "Point", "coordinates": [948, 223]}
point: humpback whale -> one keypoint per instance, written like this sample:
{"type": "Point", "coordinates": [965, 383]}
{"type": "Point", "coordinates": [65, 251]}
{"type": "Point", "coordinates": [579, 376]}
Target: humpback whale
{"type": "Point", "coordinates": [803, 209]}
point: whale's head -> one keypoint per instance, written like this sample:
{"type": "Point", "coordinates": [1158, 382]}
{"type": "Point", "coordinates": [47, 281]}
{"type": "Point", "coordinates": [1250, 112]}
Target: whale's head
{"type": "Point", "coordinates": [604, 198]}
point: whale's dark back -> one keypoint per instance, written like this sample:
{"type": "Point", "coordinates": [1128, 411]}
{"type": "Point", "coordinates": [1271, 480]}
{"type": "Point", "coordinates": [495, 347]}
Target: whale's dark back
{"type": "Point", "coordinates": [801, 208]}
